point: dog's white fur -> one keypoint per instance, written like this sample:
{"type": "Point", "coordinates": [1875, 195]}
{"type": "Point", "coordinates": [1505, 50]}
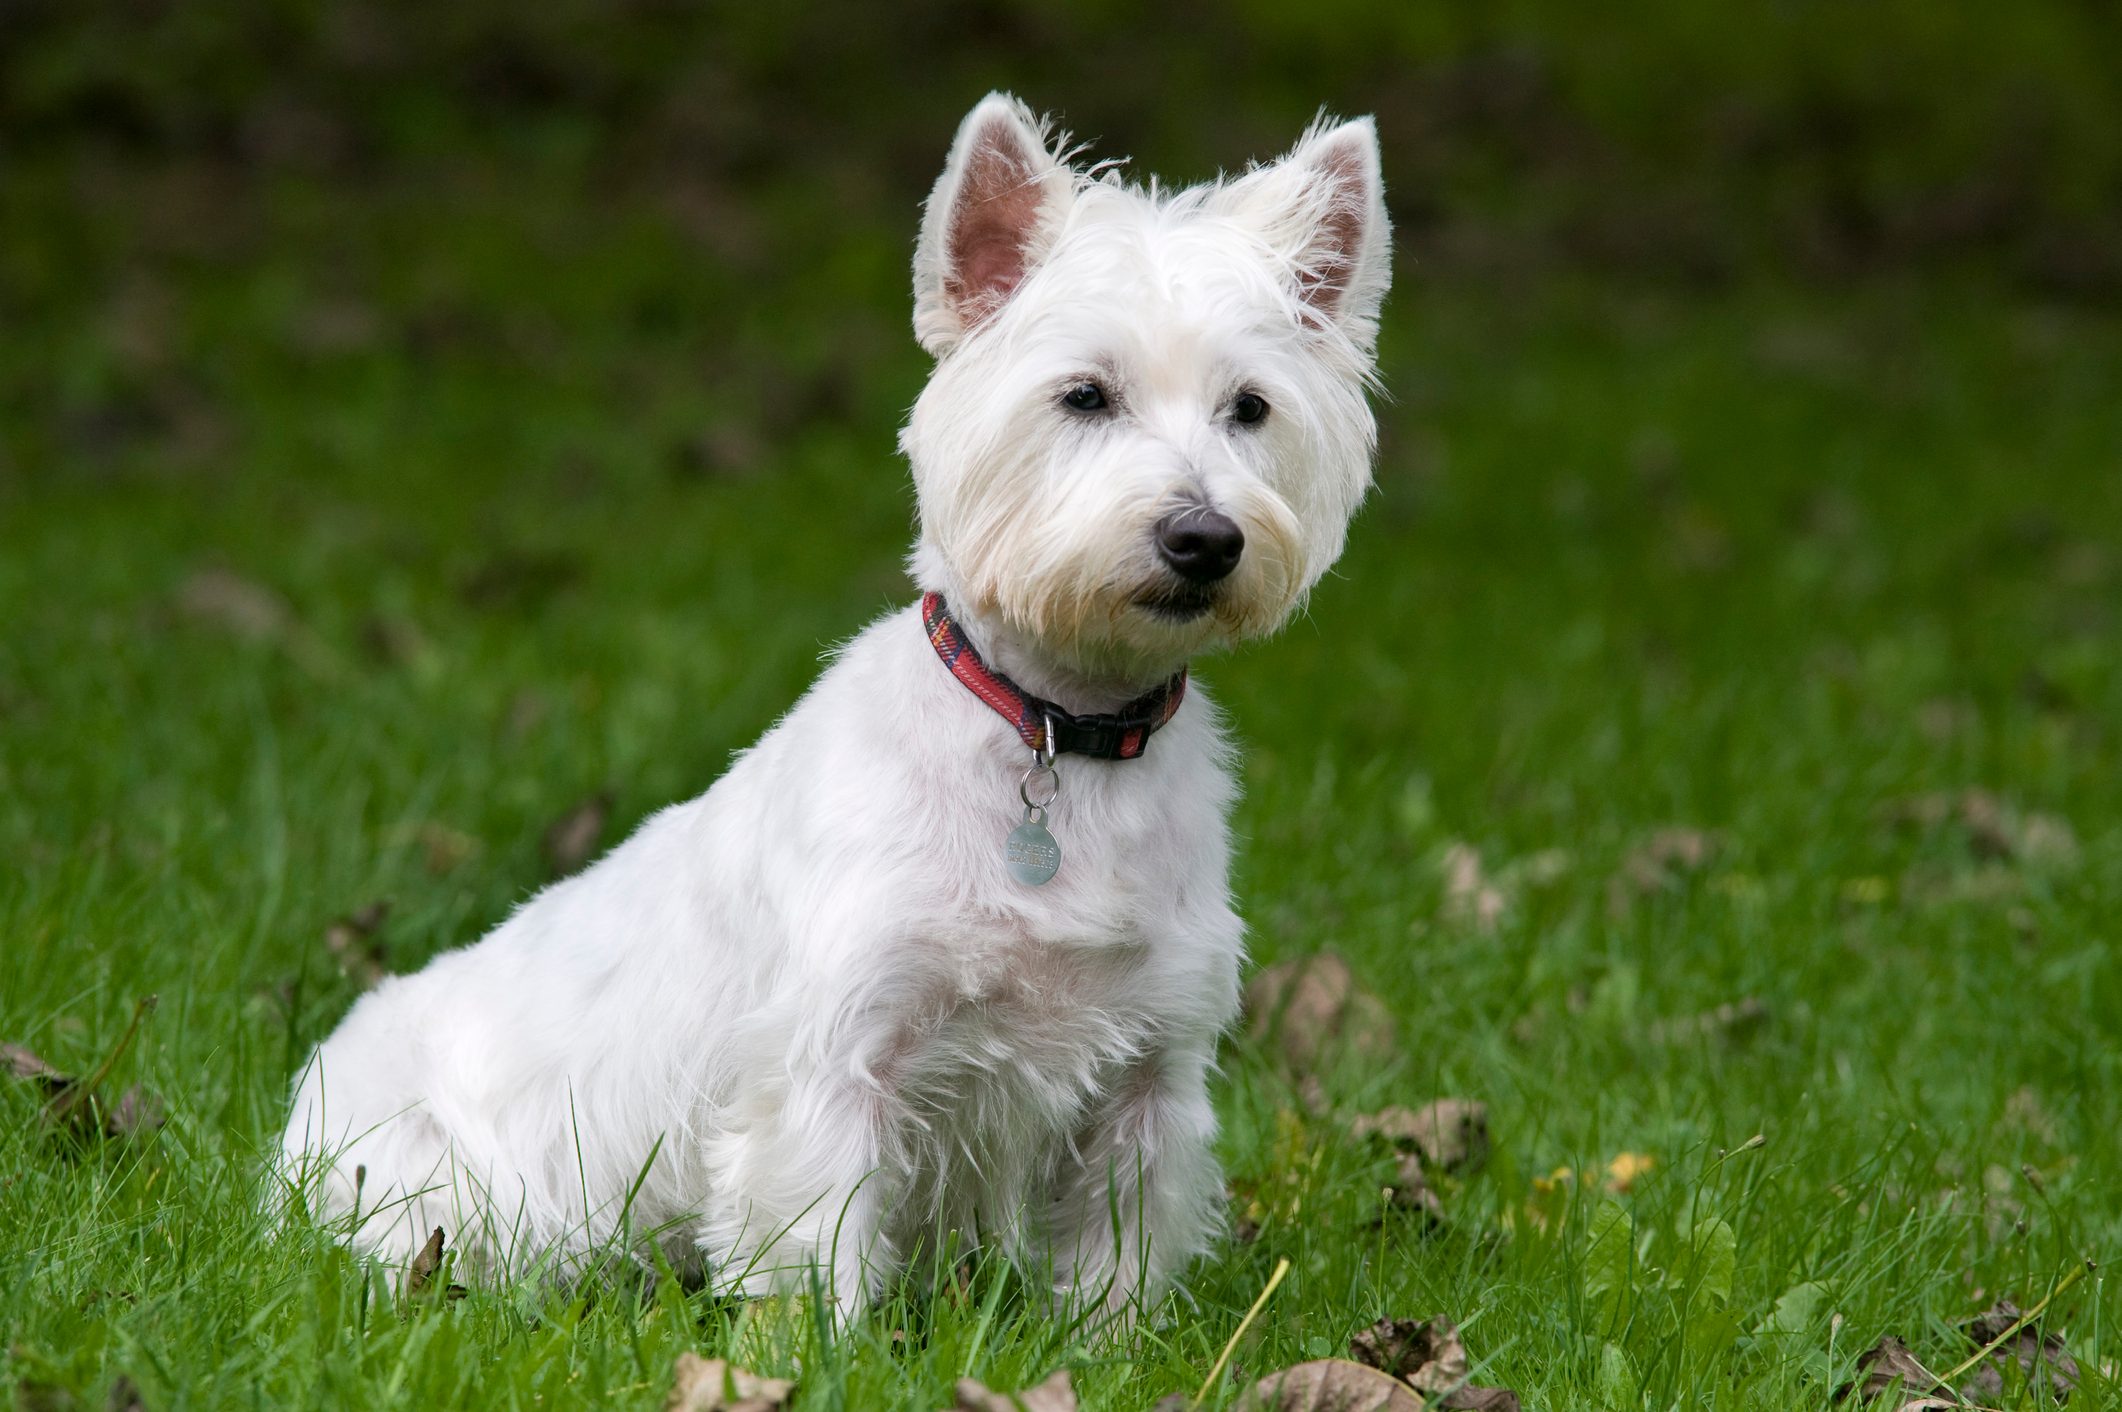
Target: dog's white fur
{"type": "Point", "coordinates": [807, 1021]}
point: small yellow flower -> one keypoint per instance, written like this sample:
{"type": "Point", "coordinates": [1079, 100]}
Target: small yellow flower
{"type": "Point", "coordinates": [1622, 1172]}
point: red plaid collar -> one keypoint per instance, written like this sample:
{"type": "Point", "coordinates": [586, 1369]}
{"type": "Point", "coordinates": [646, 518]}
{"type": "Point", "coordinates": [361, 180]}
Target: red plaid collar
{"type": "Point", "coordinates": [1118, 735]}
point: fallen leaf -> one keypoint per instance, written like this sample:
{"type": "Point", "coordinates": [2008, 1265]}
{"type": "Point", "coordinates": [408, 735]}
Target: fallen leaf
{"type": "Point", "coordinates": [352, 942]}
{"type": "Point", "coordinates": [37, 1395]}
{"type": "Point", "coordinates": [571, 840]}
{"type": "Point", "coordinates": [1426, 1354]}
{"type": "Point", "coordinates": [1410, 1190]}
{"type": "Point", "coordinates": [1626, 1169]}
{"type": "Point", "coordinates": [1450, 1133]}
{"type": "Point", "coordinates": [1056, 1394]}
{"type": "Point", "coordinates": [1885, 1364]}
{"type": "Point", "coordinates": [2025, 1110]}
{"type": "Point", "coordinates": [1469, 898]}
{"type": "Point", "coordinates": [1985, 884]}
{"type": "Point", "coordinates": [239, 606]}
{"type": "Point", "coordinates": [393, 641]}
{"type": "Point", "coordinates": [2035, 1352]}
{"type": "Point", "coordinates": [712, 1385]}
{"type": "Point", "coordinates": [443, 848]}
{"type": "Point", "coordinates": [1658, 863]}
{"type": "Point", "coordinates": [77, 1106]}
{"type": "Point", "coordinates": [24, 1063]}
{"type": "Point", "coordinates": [1338, 1385]}
{"type": "Point", "coordinates": [1996, 830]}
{"type": "Point", "coordinates": [135, 1112]}
{"type": "Point", "coordinates": [420, 1274]}
{"type": "Point", "coordinates": [246, 609]}
{"type": "Point", "coordinates": [1313, 1005]}
{"type": "Point", "coordinates": [1479, 1399]}
{"type": "Point", "coordinates": [2045, 841]}
{"type": "Point", "coordinates": [1733, 1020]}
{"type": "Point", "coordinates": [1330, 1385]}
{"type": "Point", "coordinates": [1942, 718]}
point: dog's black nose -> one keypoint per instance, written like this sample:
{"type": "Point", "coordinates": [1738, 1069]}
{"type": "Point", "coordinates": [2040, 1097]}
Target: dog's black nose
{"type": "Point", "coordinates": [1200, 544]}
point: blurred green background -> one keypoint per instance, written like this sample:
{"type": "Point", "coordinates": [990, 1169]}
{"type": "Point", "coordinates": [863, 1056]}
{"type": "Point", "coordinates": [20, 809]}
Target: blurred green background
{"type": "Point", "coordinates": [418, 420]}
{"type": "Point", "coordinates": [422, 178]}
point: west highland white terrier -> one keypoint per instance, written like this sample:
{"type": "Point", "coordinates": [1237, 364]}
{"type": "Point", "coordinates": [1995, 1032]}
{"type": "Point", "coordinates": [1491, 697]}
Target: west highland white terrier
{"type": "Point", "coordinates": [944, 958]}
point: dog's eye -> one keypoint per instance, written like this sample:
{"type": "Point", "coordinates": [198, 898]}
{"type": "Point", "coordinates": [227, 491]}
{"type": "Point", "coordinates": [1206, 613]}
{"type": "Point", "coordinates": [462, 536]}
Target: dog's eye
{"type": "Point", "coordinates": [1249, 409]}
{"type": "Point", "coordinates": [1084, 397]}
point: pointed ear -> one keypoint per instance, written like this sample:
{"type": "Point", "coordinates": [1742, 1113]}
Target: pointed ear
{"type": "Point", "coordinates": [1322, 208]}
{"type": "Point", "coordinates": [991, 218]}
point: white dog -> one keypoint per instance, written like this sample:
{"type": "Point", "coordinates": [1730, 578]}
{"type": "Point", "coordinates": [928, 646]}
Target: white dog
{"type": "Point", "coordinates": [949, 950]}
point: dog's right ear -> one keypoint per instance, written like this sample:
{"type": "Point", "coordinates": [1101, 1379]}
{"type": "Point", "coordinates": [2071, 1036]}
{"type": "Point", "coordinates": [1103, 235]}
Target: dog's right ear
{"type": "Point", "coordinates": [991, 218]}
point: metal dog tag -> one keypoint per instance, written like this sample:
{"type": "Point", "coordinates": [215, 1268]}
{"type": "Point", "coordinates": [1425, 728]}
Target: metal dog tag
{"type": "Point", "coordinates": [1031, 852]}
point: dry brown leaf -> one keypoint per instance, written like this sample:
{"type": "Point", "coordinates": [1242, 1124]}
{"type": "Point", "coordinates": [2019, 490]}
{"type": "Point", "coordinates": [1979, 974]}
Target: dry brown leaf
{"type": "Point", "coordinates": [1313, 1006]}
{"type": "Point", "coordinates": [353, 944]}
{"type": "Point", "coordinates": [1479, 1399]}
{"type": "Point", "coordinates": [1330, 1385]}
{"type": "Point", "coordinates": [78, 1106]}
{"type": "Point", "coordinates": [1426, 1354]}
{"type": "Point", "coordinates": [1470, 899]}
{"type": "Point", "coordinates": [1883, 1365]}
{"type": "Point", "coordinates": [713, 1385]}
{"type": "Point", "coordinates": [1410, 1190]}
{"type": "Point", "coordinates": [1996, 830]}
{"type": "Point", "coordinates": [393, 641]}
{"type": "Point", "coordinates": [25, 1063]}
{"type": "Point", "coordinates": [1733, 1020]}
{"type": "Point", "coordinates": [1658, 863]}
{"type": "Point", "coordinates": [239, 606]}
{"type": "Point", "coordinates": [571, 840]}
{"type": "Point", "coordinates": [443, 848]}
{"type": "Point", "coordinates": [1449, 1133]}
{"type": "Point", "coordinates": [1338, 1385]}
{"type": "Point", "coordinates": [2036, 1353]}
{"type": "Point", "coordinates": [245, 609]}
{"type": "Point", "coordinates": [135, 1112]}
{"type": "Point", "coordinates": [420, 1274]}
{"type": "Point", "coordinates": [2025, 1110]}
{"type": "Point", "coordinates": [1056, 1394]}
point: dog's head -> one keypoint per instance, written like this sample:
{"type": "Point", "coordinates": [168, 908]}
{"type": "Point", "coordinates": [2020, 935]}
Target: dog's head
{"type": "Point", "coordinates": [1147, 426]}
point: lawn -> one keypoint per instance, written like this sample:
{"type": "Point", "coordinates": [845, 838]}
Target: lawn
{"type": "Point", "coordinates": [1712, 732]}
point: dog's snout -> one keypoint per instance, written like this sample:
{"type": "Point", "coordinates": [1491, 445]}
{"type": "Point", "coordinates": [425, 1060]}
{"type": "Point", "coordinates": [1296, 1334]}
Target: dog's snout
{"type": "Point", "coordinates": [1201, 545]}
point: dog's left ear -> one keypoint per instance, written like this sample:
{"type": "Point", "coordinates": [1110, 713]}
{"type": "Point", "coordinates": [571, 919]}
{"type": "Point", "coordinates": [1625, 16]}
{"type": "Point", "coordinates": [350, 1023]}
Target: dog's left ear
{"type": "Point", "coordinates": [1322, 209]}
{"type": "Point", "coordinates": [991, 218]}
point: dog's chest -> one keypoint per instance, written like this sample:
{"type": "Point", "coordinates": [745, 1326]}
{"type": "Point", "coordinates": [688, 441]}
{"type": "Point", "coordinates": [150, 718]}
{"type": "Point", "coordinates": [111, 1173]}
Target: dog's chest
{"type": "Point", "coordinates": [1016, 980]}
{"type": "Point", "coordinates": [1027, 1029]}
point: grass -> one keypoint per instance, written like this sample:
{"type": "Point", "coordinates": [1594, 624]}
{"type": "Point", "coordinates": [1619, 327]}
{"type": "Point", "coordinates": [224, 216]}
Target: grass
{"type": "Point", "coordinates": [552, 507]}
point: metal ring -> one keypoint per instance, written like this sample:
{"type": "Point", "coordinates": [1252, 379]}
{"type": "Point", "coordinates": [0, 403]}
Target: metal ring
{"type": "Point", "coordinates": [1024, 786]}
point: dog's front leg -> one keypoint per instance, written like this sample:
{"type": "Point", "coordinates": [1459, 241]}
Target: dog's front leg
{"type": "Point", "coordinates": [807, 1197]}
{"type": "Point", "coordinates": [1139, 1193]}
